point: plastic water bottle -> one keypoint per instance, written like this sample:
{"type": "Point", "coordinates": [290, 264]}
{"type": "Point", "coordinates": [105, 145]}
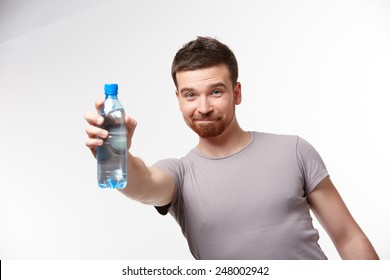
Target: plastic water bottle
{"type": "Point", "coordinates": [111, 156]}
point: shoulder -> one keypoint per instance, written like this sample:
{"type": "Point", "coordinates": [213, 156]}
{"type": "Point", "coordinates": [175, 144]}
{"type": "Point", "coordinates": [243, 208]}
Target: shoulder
{"type": "Point", "coordinates": [175, 166]}
{"type": "Point", "coordinates": [273, 136]}
{"type": "Point", "coordinates": [277, 140]}
{"type": "Point", "coordinates": [280, 139]}
{"type": "Point", "coordinates": [172, 165]}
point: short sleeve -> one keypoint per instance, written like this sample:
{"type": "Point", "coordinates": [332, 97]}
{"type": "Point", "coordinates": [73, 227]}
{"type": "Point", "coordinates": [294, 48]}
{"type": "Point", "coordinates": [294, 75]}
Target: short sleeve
{"type": "Point", "coordinates": [311, 165]}
{"type": "Point", "coordinates": [173, 167]}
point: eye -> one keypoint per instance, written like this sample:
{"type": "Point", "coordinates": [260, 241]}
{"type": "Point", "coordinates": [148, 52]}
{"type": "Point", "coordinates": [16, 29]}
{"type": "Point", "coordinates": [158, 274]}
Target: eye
{"type": "Point", "coordinates": [189, 95]}
{"type": "Point", "coordinates": [216, 92]}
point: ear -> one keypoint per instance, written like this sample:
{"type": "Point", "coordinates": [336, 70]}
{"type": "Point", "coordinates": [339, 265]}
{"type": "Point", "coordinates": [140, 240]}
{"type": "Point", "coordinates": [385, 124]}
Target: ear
{"type": "Point", "coordinates": [237, 93]}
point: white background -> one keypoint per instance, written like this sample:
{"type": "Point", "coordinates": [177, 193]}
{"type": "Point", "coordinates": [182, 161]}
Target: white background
{"type": "Point", "coordinates": [319, 69]}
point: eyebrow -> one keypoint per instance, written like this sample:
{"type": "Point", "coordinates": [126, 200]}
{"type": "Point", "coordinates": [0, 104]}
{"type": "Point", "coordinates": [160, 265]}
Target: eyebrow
{"type": "Point", "coordinates": [187, 89]}
{"type": "Point", "coordinates": [215, 85]}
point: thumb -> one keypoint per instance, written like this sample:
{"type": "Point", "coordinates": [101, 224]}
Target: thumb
{"type": "Point", "coordinates": [131, 124]}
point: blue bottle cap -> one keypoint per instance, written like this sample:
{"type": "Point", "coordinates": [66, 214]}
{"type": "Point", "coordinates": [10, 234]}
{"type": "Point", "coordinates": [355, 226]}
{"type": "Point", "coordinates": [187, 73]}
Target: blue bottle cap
{"type": "Point", "coordinates": [111, 89]}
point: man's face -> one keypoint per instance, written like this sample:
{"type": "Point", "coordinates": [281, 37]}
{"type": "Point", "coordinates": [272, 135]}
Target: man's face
{"type": "Point", "coordinates": [207, 99]}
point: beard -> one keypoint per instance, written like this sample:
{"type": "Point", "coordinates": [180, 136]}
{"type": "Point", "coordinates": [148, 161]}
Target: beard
{"type": "Point", "coordinates": [215, 125]}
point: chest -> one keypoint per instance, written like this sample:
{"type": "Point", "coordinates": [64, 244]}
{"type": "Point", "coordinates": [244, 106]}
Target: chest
{"type": "Point", "coordinates": [255, 193]}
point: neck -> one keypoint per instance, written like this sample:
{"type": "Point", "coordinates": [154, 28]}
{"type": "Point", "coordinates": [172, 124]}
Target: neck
{"type": "Point", "coordinates": [232, 140]}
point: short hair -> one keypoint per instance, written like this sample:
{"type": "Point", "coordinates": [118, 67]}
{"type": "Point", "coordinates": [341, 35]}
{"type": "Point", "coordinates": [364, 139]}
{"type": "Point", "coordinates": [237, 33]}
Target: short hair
{"type": "Point", "coordinates": [204, 52]}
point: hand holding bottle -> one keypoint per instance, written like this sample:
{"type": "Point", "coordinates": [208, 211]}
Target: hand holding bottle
{"type": "Point", "coordinates": [96, 133]}
{"type": "Point", "coordinates": [112, 139]}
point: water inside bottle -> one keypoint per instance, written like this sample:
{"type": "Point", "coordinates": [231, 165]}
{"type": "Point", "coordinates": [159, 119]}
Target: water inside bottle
{"type": "Point", "coordinates": [112, 154]}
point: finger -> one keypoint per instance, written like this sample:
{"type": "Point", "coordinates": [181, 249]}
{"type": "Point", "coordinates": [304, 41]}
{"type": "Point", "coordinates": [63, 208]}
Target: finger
{"type": "Point", "coordinates": [92, 143]}
{"type": "Point", "coordinates": [94, 132]}
{"type": "Point", "coordinates": [131, 124]}
{"type": "Point", "coordinates": [99, 103]}
{"type": "Point", "coordinates": [93, 118]}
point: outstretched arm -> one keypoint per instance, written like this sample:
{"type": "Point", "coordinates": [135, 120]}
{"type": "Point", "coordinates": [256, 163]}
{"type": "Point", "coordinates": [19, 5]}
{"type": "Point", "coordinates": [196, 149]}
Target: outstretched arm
{"type": "Point", "coordinates": [145, 184]}
{"type": "Point", "coordinates": [334, 216]}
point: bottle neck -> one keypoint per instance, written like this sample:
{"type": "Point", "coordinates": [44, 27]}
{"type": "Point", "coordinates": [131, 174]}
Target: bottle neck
{"type": "Point", "coordinates": [112, 96]}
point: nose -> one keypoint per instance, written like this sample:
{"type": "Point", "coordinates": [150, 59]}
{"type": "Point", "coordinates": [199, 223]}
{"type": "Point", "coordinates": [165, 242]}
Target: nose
{"type": "Point", "coordinates": [204, 106]}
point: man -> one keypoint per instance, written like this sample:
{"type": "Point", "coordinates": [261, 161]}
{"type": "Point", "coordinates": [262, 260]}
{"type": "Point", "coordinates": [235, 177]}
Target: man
{"type": "Point", "coordinates": [237, 194]}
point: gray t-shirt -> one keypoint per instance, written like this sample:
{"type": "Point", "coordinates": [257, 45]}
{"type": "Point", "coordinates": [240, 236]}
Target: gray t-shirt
{"type": "Point", "coordinates": [249, 205]}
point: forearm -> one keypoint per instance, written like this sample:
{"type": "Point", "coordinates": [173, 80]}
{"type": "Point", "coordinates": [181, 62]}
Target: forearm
{"type": "Point", "coordinates": [138, 179]}
{"type": "Point", "coordinates": [331, 211]}
{"type": "Point", "coordinates": [149, 185]}
{"type": "Point", "coordinates": [358, 247]}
